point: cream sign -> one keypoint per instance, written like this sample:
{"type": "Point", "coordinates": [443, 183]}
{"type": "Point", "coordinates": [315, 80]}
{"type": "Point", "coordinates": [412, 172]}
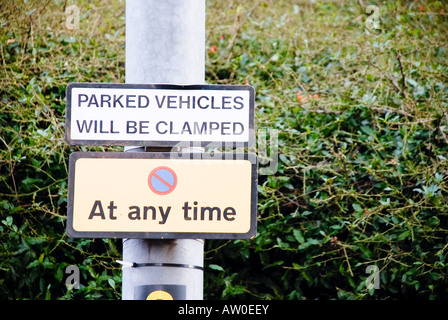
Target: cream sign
{"type": "Point", "coordinates": [150, 195]}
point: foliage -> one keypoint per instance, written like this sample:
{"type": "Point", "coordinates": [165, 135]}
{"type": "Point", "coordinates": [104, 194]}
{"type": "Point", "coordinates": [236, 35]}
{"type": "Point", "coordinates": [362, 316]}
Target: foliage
{"type": "Point", "coordinates": [362, 177]}
{"type": "Point", "coordinates": [39, 57]}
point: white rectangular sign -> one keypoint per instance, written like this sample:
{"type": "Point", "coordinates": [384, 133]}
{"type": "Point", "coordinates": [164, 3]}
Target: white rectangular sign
{"type": "Point", "coordinates": [159, 115]}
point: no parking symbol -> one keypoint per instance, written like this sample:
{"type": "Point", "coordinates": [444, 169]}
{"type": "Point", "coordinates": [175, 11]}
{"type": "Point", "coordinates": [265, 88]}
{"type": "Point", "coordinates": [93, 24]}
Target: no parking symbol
{"type": "Point", "coordinates": [162, 180]}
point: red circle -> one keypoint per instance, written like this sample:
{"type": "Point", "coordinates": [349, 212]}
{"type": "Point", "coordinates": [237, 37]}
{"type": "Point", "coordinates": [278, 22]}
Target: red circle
{"type": "Point", "coordinates": [170, 187]}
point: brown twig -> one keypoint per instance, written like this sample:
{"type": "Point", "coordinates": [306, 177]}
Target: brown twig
{"type": "Point", "coordinates": [403, 77]}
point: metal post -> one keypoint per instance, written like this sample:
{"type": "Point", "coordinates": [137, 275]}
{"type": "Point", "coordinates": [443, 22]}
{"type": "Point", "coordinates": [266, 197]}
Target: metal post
{"type": "Point", "coordinates": [165, 44]}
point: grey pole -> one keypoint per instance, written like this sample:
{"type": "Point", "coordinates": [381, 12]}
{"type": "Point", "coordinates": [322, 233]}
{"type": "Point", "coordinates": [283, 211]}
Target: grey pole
{"type": "Point", "coordinates": [165, 44]}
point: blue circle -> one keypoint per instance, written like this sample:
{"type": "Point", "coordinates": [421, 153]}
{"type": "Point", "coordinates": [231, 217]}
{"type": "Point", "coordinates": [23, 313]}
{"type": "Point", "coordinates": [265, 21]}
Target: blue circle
{"type": "Point", "coordinates": [159, 185]}
{"type": "Point", "coordinates": [162, 180]}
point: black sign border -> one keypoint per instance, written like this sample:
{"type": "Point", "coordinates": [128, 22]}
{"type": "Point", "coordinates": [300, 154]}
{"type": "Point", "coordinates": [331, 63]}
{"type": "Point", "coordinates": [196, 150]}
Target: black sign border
{"type": "Point", "coordinates": [155, 143]}
{"type": "Point", "coordinates": [162, 235]}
